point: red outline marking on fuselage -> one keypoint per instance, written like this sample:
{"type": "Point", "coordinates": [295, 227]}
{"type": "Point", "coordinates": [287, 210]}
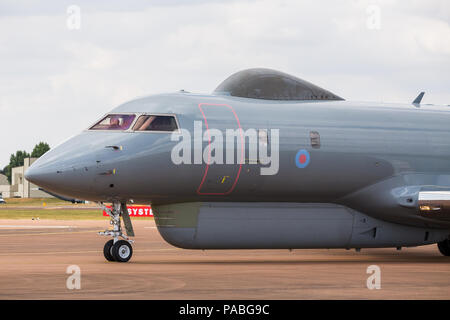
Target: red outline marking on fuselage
{"type": "Point", "coordinates": [209, 150]}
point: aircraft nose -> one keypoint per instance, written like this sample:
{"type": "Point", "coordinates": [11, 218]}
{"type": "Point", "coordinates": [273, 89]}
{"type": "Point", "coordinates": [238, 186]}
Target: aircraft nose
{"type": "Point", "coordinates": [47, 177]}
{"type": "Point", "coordinates": [55, 177]}
{"type": "Point", "coordinates": [82, 167]}
{"type": "Point", "coordinates": [39, 176]}
{"type": "Point", "coordinates": [65, 170]}
{"type": "Point", "coordinates": [33, 175]}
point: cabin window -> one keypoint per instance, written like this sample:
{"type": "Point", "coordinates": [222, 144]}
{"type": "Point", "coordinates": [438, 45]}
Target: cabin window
{"type": "Point", "coordinates": [114, 122]}
{"type": "Point", "coordinates": [155, 123]}
{"type": "Point", "coordinates": [315, 139]}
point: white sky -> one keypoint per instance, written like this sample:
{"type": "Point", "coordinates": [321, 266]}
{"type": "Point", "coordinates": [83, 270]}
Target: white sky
{"type": "Point", "coordinates": [54, 81]}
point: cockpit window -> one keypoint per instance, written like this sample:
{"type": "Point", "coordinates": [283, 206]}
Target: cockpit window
{"type": "Point", "coordinates": [114, 122]}
{"type": "Point", "coordinates": [155, 123]}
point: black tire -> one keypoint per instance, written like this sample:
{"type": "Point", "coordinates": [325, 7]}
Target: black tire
{"type": "Point", "coordinates": [444, 247]}
{"type": "Point", "coordinates": [122, 251]}
{"type": "Point", "coordinates": [107, 250]}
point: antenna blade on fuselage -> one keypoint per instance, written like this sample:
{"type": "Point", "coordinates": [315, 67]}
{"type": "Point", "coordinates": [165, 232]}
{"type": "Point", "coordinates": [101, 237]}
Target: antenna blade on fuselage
{"type": "Point", "coordinates": [419, 98]}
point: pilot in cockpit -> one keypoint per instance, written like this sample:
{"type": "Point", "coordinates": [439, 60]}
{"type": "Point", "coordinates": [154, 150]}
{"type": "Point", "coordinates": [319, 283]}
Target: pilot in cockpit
{"type": "Point", "coordinates": [114, 123]}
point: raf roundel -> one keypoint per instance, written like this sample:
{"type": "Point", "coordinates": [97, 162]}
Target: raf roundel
{"type": "Point", "coordinates": [302, 158]}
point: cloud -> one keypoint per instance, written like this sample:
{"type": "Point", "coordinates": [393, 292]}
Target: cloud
{"type": "Point", "coordinates": [55, 81]}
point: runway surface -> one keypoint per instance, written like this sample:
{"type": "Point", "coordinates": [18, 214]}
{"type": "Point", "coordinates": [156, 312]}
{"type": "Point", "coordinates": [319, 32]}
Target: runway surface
{"type": "Point", "coordinates": [34, 257]}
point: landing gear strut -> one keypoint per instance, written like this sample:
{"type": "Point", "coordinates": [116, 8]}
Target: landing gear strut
{"type": "Point", "coordinates": [444, 247]}
{"type": "Point", "coordinates": [115, 249]}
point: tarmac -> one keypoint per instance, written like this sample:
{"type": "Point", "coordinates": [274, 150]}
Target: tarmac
{"type": "Point", "coordinates": [35, 256]}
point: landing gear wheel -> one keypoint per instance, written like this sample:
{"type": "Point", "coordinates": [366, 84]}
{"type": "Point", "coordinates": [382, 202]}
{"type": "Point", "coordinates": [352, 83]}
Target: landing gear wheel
{"type": "Point", "coordinates": [107, 250]}
{"type": "Point", "coordinates": [118, 250]}
{"type": "Point", "coordinates": [444, 247]}
{"type": "Point", "coordinates": [122, 251]}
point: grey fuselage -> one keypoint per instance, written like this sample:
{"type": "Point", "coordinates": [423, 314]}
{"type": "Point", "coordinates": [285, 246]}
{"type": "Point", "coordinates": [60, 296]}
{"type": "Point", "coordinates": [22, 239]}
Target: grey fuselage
{"type": "Point", "coordinates": [373, 158]}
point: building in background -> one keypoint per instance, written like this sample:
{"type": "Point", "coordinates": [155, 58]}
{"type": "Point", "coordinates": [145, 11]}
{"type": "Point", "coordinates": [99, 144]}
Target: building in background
{"type": "Point", "coordinates": [21, 187]}
{"type": "Point", "coordinates": [4, 186]}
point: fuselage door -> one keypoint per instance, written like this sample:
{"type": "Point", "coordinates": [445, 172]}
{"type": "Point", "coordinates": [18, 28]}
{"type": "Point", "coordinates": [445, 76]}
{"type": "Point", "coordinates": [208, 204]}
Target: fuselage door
{"type": "Point", "coordinates": [222, 159]}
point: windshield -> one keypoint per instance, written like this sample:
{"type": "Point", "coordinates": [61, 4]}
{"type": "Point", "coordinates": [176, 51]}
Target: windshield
{"type": "Point", "coordinates": [114, 122]}
{"type": "Point", "coordinates": [155, 123]}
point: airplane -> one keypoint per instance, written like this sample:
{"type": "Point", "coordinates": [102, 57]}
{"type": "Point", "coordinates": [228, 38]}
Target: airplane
{"type": "Point", "coordinates": [267, 161]}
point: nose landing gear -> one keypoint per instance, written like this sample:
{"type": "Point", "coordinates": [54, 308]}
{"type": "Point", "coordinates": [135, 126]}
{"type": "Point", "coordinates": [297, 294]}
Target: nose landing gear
{"type": "Point", "coordinates": [115, 249]}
